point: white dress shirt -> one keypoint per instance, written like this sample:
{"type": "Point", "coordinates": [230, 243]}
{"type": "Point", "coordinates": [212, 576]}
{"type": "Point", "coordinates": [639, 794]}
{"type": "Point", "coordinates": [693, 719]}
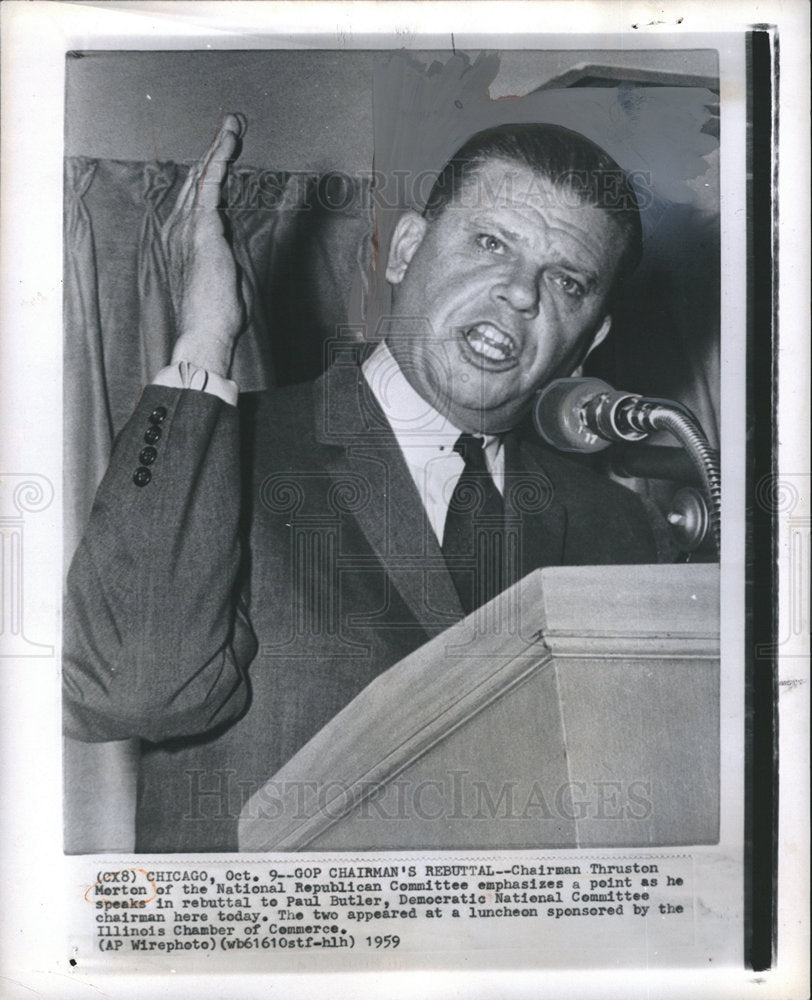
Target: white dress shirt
{"type": "Point", "coordinates": [425, 437]}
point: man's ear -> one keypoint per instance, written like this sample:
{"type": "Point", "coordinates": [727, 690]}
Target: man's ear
{"type": "Point", "coordinates": [600, 336]}
{"type": "Point", "coordinates": [407, 237]}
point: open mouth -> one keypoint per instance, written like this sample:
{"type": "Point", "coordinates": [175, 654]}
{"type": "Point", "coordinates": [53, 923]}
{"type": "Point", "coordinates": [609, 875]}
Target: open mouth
{"type": "Point", "coordinates": [490, 343]}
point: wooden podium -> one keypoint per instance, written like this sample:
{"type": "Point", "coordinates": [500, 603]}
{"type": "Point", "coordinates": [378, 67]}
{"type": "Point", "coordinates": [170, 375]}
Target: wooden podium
{"type": "Point", "coordinates": [578, 709]}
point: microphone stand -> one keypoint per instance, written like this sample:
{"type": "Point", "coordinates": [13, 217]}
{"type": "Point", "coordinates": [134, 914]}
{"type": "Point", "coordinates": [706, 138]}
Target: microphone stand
{"type": "Point", "coordinates": [650, 414]}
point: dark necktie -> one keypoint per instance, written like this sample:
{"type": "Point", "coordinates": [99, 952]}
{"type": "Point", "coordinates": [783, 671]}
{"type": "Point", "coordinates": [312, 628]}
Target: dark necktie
{"type": "Point", "coordinates": [473, 537]}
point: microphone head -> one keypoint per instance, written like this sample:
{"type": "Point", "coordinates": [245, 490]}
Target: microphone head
{"type": "Point", "coordinates": [558, 414]}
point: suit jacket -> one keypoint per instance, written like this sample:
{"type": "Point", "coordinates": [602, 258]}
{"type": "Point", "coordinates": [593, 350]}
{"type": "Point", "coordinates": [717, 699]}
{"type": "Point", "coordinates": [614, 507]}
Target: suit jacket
{"type": "Point", "coordinates": [271, 567]}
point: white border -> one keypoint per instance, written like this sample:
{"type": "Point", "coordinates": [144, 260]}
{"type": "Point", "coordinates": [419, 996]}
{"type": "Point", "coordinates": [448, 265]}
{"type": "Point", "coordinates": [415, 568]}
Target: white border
{"type": "Point", "coordinates": [35, 37]}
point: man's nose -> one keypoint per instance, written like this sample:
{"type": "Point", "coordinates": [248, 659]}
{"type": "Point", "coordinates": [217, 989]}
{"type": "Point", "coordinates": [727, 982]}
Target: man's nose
{"type": "Point", "coordinates": [520, 289]}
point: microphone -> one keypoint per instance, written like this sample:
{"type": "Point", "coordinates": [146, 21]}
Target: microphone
{"type": "Point", "coordinates": [587, 415]}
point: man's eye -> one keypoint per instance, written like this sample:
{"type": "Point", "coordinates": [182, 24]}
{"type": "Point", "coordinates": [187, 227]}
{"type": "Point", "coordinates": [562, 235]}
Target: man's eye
{"type": "Point", "coordinates": [568, 285]}
{"type": "Point", "coordinates": [490, 243]}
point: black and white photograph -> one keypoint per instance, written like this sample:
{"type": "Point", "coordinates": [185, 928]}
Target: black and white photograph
{"type": "Point", "coordinates": [433, 407]}
{"type": "Point", "coordinates": [406, 500]}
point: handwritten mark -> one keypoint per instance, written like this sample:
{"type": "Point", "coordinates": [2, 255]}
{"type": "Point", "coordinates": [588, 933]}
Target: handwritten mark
{"type": "Point", "coordinates": [653, 24]}
{"type": "Point", "coordinates": [123, 887]}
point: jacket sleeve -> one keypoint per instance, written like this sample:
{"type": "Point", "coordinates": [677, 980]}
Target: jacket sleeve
{"type": "Point", "coordinates": [156, 643]}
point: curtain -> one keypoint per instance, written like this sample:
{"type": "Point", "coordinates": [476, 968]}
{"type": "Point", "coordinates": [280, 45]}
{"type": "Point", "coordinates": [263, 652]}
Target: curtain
{"type": "Point", "coordinates": [88, 416]}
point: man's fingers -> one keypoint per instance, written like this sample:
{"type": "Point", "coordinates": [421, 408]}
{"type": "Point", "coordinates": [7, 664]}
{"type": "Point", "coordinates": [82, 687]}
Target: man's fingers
{"type": "Point", "coordinates": [230, 129]}
{"type": "Point", "coordinates": [215, 164]}
{"type": "Point", "coordinates": [185, 195]}
{"type": "Point", "coordinates": [201, 188]}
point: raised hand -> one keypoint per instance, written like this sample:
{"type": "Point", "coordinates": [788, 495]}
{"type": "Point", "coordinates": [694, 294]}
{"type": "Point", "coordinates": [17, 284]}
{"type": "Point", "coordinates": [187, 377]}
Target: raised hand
{"type": "Point", "coordinates": [204, 279]}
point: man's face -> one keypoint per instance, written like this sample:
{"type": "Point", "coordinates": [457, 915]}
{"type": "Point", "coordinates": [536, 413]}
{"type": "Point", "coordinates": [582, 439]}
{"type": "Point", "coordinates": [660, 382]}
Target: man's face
{"type": "Point", "coordinates": [510, 284]}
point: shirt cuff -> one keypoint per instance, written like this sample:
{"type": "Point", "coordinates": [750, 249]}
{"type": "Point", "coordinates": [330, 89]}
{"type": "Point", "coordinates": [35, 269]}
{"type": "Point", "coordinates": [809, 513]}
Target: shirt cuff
{"type": "Point", "coordinates": [185, 375]}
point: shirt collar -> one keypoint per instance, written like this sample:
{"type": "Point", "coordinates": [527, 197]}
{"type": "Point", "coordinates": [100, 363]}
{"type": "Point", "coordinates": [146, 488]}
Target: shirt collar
{"type": "Point", "coordinates": [412, 419]}
{"type": "Point", "coordinates": [425, 437]}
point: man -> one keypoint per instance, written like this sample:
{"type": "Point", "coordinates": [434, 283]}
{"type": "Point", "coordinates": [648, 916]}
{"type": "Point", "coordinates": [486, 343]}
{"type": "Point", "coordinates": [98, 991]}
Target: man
{"type": "Point", "coordinates": [241, 581]}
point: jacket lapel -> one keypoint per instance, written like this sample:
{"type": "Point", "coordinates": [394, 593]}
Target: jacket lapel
{"type": "Point", "coordinates": [391, 514]}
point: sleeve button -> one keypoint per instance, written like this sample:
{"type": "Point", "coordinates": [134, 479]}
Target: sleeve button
{"type": "Point", "coordinates": [152, 435]}
{"type": "Point", "coordinates": [141, 476]}
{"type": "Point", "coordinates": [158, 415]}
{"type": "Point", "coordinates": [147, 455]}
